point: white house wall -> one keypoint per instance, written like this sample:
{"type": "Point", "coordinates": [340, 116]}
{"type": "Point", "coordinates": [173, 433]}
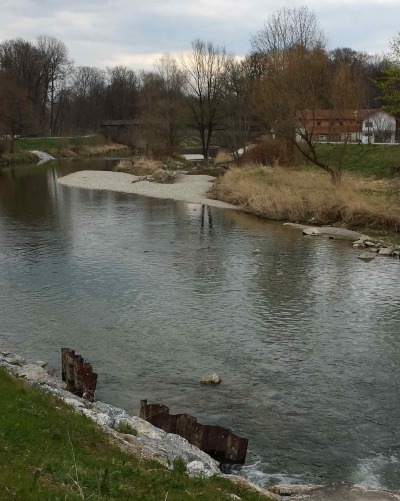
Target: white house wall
{"type": "Point", "coordinates": [379, 123]}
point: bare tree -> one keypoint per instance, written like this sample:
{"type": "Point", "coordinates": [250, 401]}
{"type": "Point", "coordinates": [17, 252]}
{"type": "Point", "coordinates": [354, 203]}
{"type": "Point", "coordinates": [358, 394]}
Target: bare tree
{"type": "Point", "coordinates": [288, 28]}
{"type": "Point", "coordinates": [364, 67]}
{"type": "Point", "coordinates": [172, 109]}
{"type": "Point", "coordinates": [298, 83]}
{"type": "Point", "coordinates": [122, 93]}
{"type": "Point", "coordinates": [56, 66]}
{"type": "Point", "coordinates": [236, 105]}
{"type": "Point", "coordinates": [16, 110]}
{"type": "Point", "coordinates": [205, 70]}
{"type": "Point", "coordinates": [87, 89]}
{"type": "Point", "coordinates": [23, 63]}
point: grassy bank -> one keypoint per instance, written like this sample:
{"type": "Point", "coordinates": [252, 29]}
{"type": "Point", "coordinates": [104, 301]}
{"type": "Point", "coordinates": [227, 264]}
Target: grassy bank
{"type": "Point", "coordinates": [367, 160]}
{"type": "Point", "coordinates": [50, 452]}
{"type": "Point", "coordinates": [21, 157]}
{"type": "Point", "coordinates": [60, 147]}
{"type": "Point", "coordinates": [290, 194]}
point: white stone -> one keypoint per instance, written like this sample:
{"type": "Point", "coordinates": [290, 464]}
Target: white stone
{"type": "Point", "coordinates": [13, 359]}
{"type": "Point", "coordinates": [310, 231]}
{"type": "Point", "coordinates": [42, 156]}
{"type": "Point", "coordinates": [367, 256]}
{"type": "Point", "coordinates": [74, 403]}
{"type": "Point", "coordinates": [385, 251]}
{"type": "Point", "coordinates": [213, 379]}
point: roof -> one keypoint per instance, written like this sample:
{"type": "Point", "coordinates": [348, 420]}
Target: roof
{"type": "Point", "coordinates": [334, 114]}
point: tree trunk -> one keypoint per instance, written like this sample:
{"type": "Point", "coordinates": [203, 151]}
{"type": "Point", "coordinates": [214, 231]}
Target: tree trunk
{"type": "Point", "coordinates": [336, 176]}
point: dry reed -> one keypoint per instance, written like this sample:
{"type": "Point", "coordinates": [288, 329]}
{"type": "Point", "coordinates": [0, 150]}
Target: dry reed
{"type": "Point", "coordinates": [141, 166]}
{"type": "Point", "coordinates": [144, 166]}
{"type": "Point", "coordinates": [302, 195]}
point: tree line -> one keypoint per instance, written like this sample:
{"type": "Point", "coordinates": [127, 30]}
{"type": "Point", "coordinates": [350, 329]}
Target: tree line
{"type": "Point", "coordinates": [288, 69]}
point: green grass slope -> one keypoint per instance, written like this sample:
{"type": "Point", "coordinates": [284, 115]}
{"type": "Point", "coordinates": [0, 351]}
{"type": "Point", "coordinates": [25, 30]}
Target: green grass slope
{"type": "Point", "coordinates": [49, 452]}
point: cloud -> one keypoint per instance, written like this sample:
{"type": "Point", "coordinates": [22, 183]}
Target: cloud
{"type": "Point", "coordinates": [133, 32]}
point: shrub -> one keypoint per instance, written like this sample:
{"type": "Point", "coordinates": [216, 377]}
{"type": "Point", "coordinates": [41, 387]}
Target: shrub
{"type": "Point", "coordinates": [179, 466]}
{"type": "Point", "coordinates": [126, 428]}
{"type": "Point", "coordinates": [4, 146]}
{"type": "Point", "coordinates": [141, 166]}
{"type": "Point", "coordinates": [271, 152]}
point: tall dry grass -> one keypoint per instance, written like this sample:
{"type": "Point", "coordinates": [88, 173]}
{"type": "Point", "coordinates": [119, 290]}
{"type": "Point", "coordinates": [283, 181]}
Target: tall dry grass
{"type": "Point", "coordinates": [297, 195]}
{"type": "Point", "coordinates": [142, 166]}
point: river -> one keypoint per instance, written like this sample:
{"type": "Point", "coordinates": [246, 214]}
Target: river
{"type": "Point", "coordinates": [158, 294]}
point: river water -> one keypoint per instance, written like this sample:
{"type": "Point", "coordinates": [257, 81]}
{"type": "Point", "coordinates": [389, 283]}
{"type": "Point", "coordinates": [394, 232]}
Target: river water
{"type": "Point", "coordinates": [158, 294]}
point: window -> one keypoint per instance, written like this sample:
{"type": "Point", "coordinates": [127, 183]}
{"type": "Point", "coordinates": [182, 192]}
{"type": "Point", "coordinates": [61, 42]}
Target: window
{"type": "Point", "coordinates": [369, 125]}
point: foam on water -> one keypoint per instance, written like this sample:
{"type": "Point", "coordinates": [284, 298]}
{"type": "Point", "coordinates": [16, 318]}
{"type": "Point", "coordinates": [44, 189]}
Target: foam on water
{"type": "Point", "coordinates": [258, 473]}
{"type": "Point", "coordinates": [371, 472]}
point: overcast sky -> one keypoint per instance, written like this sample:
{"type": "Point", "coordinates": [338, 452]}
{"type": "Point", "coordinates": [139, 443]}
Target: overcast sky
{"type": "Point", "coordinates": [137, 32]}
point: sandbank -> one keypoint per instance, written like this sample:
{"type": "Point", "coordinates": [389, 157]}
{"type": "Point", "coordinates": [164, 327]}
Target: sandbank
{"type": "Point", "coordinates": [192, 189]}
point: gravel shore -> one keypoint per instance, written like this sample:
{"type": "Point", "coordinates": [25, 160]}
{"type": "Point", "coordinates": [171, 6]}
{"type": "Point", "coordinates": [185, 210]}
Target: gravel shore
{"type": "Point", "coordinates": [192, 189]}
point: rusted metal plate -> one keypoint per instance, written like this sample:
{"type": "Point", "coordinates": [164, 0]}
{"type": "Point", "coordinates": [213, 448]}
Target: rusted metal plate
{"type": "Point", "coordinates": [219, 442]}
{"type": "Point", "coordinates": [78, 374]}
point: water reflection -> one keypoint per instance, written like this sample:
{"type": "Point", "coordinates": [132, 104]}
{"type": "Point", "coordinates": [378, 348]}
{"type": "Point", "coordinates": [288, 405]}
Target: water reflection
{"type": "Point", "coordinates": [158, 294]}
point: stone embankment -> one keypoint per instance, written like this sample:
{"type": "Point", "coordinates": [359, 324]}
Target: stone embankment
{"type": "Point", "coordinates": [376, 248]}
{"type": "Point", "coordinates": [42, 156]}
{"type": "Point", "coordinates": [152, 443]}
{"type": "Point", "coordinates": [149, 442]}
{"type": "Point", "coordinates": [373, 247]}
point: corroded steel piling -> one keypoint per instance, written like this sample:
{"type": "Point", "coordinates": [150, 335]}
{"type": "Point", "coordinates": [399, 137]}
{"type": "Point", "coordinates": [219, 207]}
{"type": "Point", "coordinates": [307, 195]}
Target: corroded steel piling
{"type": "Point", "coordinates": [78, 374]}
{"type": "Point", "coordinates": [219, 442]}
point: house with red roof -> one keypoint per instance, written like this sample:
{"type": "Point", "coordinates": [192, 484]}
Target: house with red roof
{"type": "Point", "coordinates": [355, 126]}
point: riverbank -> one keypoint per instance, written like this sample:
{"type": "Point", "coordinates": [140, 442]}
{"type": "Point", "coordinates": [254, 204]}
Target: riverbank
{"type": "Point", "coordinates": [21, 157]}
{"type": "Point", "coordinates": [192, 189]}
{"type": "Point", "coordinates": [56, 444]}
{"type": "Point", "coordinates": [199, 189]}
{"type": "Point", "coordinates": [60, 148]}
{"type": "Point", "coordinates": [295, 195]}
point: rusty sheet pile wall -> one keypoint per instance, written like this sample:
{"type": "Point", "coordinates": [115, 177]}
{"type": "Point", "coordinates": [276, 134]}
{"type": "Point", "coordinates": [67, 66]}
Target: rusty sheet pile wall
{"type": "Point", "coordinates": [220, 443]}
{"type": "Point", "coordinates": [78, 374]}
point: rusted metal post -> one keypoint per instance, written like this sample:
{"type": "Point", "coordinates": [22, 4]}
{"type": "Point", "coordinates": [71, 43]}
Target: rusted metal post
{"type": "Point", "coordinates": [78, 374]}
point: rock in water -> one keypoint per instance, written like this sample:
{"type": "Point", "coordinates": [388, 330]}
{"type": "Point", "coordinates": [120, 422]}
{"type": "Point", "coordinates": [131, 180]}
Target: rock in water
{"type": "Point", "coordinates": [256, 251]}
{"type": "Point", "coordinates": [213, 379]}
{"type": "Point", "coordinates": [367, 256]}
{"type": "Point", "coordinates": [386, 251]}
{"type": "Point", "coordinates": [310, 231]}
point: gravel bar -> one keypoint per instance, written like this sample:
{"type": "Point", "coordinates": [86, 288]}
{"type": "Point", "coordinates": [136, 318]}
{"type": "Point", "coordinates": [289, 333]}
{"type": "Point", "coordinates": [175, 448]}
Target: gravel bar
{"type": "Point", "coordinates": [192, 189]}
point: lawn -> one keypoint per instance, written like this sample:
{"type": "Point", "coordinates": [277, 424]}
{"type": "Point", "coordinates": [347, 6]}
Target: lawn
{"type": "Point", "coordinates": [365, 159]}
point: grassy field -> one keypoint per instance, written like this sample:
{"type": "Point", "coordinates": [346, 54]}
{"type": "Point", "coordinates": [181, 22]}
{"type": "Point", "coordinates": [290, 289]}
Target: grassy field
{"type": "Point", "coordinates": [365, 159]}
{"type": "Point", "coordinates": [299, 195]}
{"type": "Point", "coordinates": [48, 452]}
